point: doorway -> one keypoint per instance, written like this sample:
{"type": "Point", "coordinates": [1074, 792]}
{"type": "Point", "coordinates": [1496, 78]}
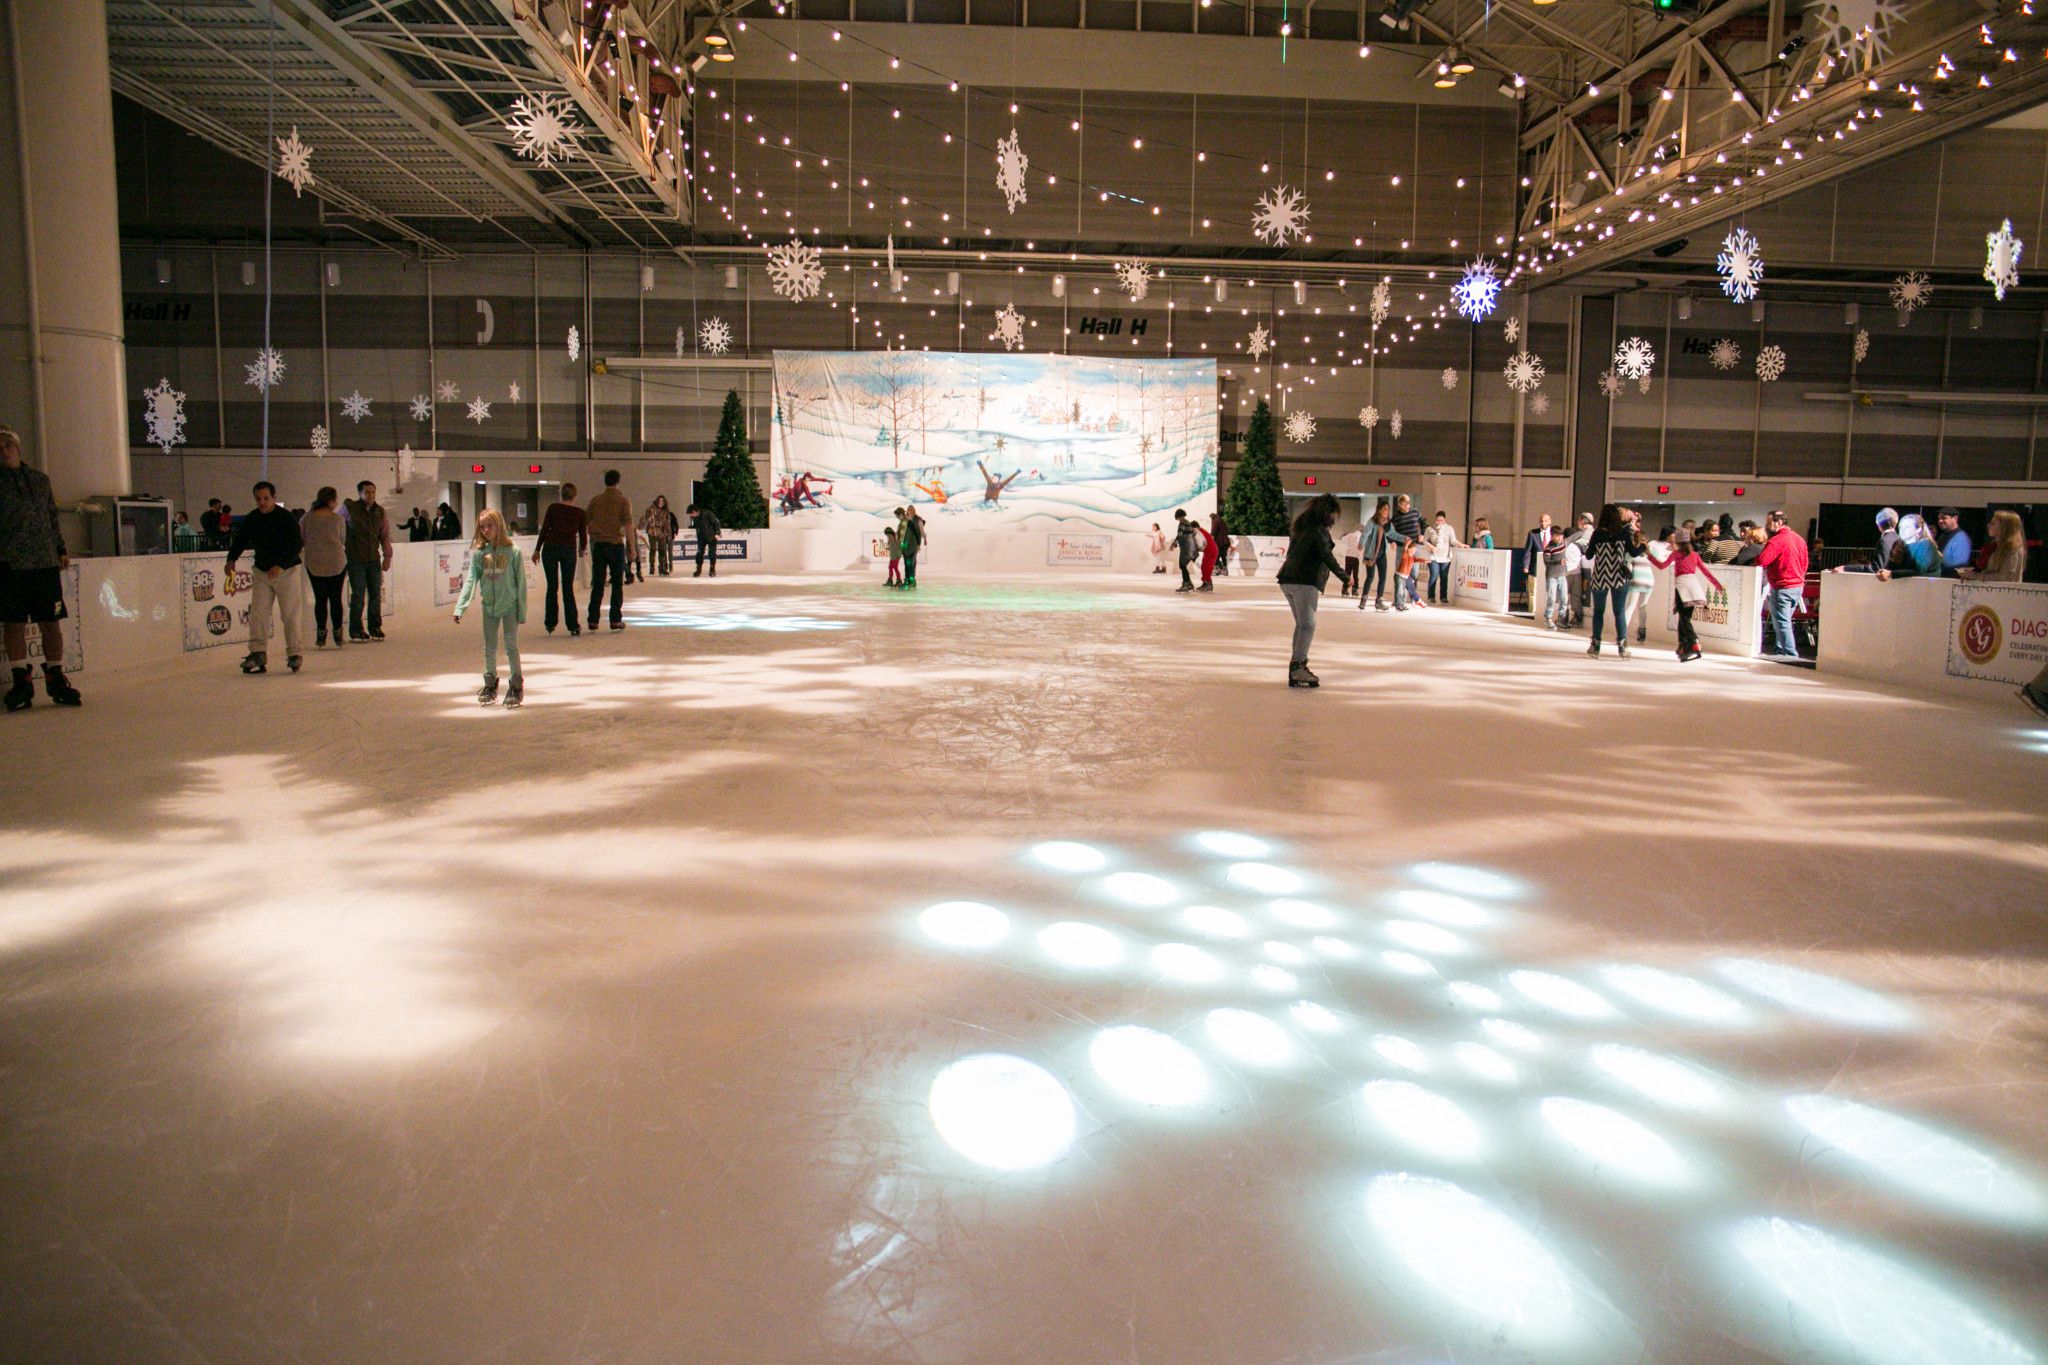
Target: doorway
{"type": "Point", "coordinates": [520, 505]}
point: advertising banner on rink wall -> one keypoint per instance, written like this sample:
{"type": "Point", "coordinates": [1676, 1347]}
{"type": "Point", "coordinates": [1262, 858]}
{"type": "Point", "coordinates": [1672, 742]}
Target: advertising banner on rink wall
{"type": "Point", "coordinates": [215, 602]}
{"type": "Point", "coordinates": [451, 562]}
{"type": "Point", "coordinates": [1998, 633]}
{"type": "Point", "coordinates": [1479, 578]}
{"type": "Point", "coordinates": [1090, 551]}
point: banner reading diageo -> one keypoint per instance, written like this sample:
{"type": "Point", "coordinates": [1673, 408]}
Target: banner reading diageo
{"type": "Point", "coordinates": [1997, 633]}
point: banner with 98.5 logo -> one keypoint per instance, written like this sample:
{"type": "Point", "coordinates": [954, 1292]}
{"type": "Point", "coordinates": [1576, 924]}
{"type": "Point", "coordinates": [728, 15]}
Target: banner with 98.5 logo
{"type": "Point", "coordinates": [215, 602]}
{"type": "Point", "coordinates": [1997, 633]}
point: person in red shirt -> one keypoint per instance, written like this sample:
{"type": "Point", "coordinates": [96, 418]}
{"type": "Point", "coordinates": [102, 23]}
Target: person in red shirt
{"type": "Point", "coordinates": [1783, 561]}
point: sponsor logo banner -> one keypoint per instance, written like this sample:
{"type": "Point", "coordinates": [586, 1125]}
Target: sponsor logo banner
{"type": "Point", "coordinates": [1091, 550]}
{"type": "Point", "coordinates": [215, 602]}
{"type": "Point", "coordinates": [1997, 633]}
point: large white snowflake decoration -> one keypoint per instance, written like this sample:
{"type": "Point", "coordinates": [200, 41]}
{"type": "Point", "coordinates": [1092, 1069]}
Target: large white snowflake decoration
{"type": "Point", "coordinates": [355, 407]}
{"type": "Point", "coordinates": [1450, 377]}
{"type": "Point", "coordinates": [1610, 385]}
{"type": "Point", "coordinates": [449, 391]}
{"type": "Point", "coordinates": [1011, 167]}
{"type": "Point", "coordinates": [1394, 424]}
{"type": "Point", "coordinates": [575, 343]}
{"type": "Point", "coordinates": [796, 271]}
{"type": "Point", "coordinates": [266, 371]}
{"type": "Point", "coordinates": [422, 407]}
{"type": "Point", "coordinates": [1634, 358]}
{"type": "Point", "coordinates": [512, 394]}
{"type": "Point", "coordinates": [1261, 341]}
{"type": "Point", "coordinates": [1382, 302]}
{"type": "Point", "coordinates": [319, 440]}
{"type": "Point", "coordinates": [1512, 329]}
{"type": "Point", "coordinates": [714, 336]}
{"type": "Point", "coordinates": [1858, 32]}
{"type": "Point", "coordinates": [1770, 364]}
{"type": "Point", "coordinates": [1725, 355]}
{"type": "Point", "coordinates": [1010, 327]}
{"type": "Point", "coordinates": [2002, 259]}
{"type": "Point", "coordinates": [294, 162]}
{"type": "Point", "coordinates": [1301, 428]}
{"type": "Point", "coordinates": [542, 127]}
{"type": "Point", "coordinates": [1133, 278]}
{"type": "Point", "coordinates": [1524, 372]}
{"type": "Point", "coordinates": [1368, 417]}
{"type": "Point", "coordinates": [163, 415]}
{"type": "Point", "coordinates": [1282, 213]}
{"type": "Point", "coordinates": [1861, 347]}
{"type": "Point", "coordinates": [1478, 290]}
{"type": "Point", "coordinates": [1911, 290]}
{"type": "Point", "coordinates": [478, 410]}
{"type": "Point", "coordinates": [1539, 404]}
{"type": "Point", "coordinates": [1741, 264]}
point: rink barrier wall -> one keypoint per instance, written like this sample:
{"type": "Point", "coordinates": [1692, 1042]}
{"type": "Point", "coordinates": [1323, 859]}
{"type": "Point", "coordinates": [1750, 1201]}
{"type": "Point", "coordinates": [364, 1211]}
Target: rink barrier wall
{"type": "Point", "coordinates": [1933, 634]}
{"type": "Point", "coordinates": [1479, 578]}
{"type": "Point", "coordinates": [1730, 621]}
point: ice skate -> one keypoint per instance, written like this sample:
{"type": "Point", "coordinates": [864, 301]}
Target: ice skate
{"type": "Point", "coordinates": [59, 687]}
{"type": "Point", "coordinates": [1299, 676]}
{"type": "Point", "coordinates": [294, 661]}
{"type": "Point", "coordinates": [22, 695]}
{"type": "Point", "coordinates": [515, 693]}
{"type": "Point", "coordinates": [488, 693]}
{"type": "Point", "coordinates": [255, 663]}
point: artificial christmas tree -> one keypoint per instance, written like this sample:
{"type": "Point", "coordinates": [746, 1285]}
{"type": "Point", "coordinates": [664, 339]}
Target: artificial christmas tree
{"type": "Point", "coordinates": [1255, 506]}
{"type": "Point", "coordinates": [730, 488]}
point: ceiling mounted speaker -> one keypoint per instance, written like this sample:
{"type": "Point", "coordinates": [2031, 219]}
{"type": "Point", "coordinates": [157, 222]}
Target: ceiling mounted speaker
{"type": "Point", "coordinates": [732, 277]}
{"type": "Point", "coordinates": [1059, 286]}
{"type": "Point", "coordinates": [953, 282]}
{"type": "Point", "coordinates": [248, 272]}
{"type": "Point", "coordinates": [647, 279]}
{"type": "Point", "coordinates": [895, 281]}
{"type": "Point", "coordinates": [1756, 311]}
{"type": "Point", "coordinates": [333, 275]}
{"type": "Point", "coordinates": [1976, 319]}
{"type": "Point", "coordinates": [1685, 308]}
{"type": "Point", "coordinates": [1222, 291]}
{"type": "Point", "coordinates": [1300, 293]}
{"type": "Point", "coordinates": [1851, 314]}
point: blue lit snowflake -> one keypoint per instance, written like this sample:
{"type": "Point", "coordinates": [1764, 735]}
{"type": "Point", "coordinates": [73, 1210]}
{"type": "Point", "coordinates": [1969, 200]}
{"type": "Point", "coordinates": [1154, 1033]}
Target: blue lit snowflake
{"type": "Point", "coordinates": [1478, 291]}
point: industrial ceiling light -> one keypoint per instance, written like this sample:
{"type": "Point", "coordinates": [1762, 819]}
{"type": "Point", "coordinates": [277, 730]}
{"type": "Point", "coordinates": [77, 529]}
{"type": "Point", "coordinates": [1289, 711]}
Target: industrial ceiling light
{"type": "Point", "coordinates": [1444, 79]}
{"type": "Point", "coordinates": [717, 39]}
{"type": "Point", "coordinates": [1462, 64]}
{"type": "Point", "coordinates": [722, 54]}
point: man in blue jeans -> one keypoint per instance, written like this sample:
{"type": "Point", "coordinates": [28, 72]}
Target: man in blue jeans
{"type": "Point", "coordinates": [609, 521]}
{"type": "Point", "coordinates": [1783, 561]}
{"type": "Point", "coordinates": [366, 537]}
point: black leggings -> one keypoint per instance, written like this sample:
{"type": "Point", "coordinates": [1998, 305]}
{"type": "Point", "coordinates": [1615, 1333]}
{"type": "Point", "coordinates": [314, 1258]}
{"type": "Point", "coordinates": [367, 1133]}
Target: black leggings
{"type": "Point", "coordinates": [1688, 641]}
{"type": "Point", "coordinates": [1375, 570]}
{"type": "Point", "coordinates": [327, 602]}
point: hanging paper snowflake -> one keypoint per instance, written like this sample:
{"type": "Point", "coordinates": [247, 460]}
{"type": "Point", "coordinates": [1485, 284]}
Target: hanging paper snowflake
{"type": "Point", "coordinates": [1634, 358]}
{"type": "Point", "coordinates": [1133, 278]}
{"type": "Point", "coordinates": [1450, 377]}
{"type": "Point", "coordinates": [542, 127]}
{"type": "Point", "coordinates": [714, 336]}
{"type": "Point", "coordinates": [1382, 302]}
{"type": "Point", "coordinates": [1539, 404]}
{"type": "Point", "coordinates": [512, 392]}
{"type": "Point", "coordinates": [1478, 290]}
{"type": "Point", "coordinates": [1524, 372]}
{"type": "Point", "coordinates": [355, 407]}
{"type": "Point", "coordinates": [1911, 290]}
{"type": "Point", "coordinates": [1512, 328]}
{"type": "Point", "coordinates": [1770, 363]}
{"type": "Point", "coordinates": [319, 440]}
{"type": "Point", "coordinates": [1301, 428]}
{"type": "Point", "coordinates": [448, 391]}
{"type": "Point", "coordinates": [1725, 355]}
{"type": "Point", "coordinates": [795, 271]}
{"type": "Point", "coordinates": [1861, 349]}
{"type": "Point", "coordinates": [163, 415]}
{"type": "Point", "coordinates": [1011, 168]}
{"type": "Point", "coordinates": [2002, 259]}
{"type": "Point", "coordinates": [1610, 385]}
{"type": "Point", "coordinates": [1368, 417]}
{"type": "Point", "coordinates": [1282, 213]}
{"type": "Point", "coordinates": [1741, 264]}
{"type": "Point", "coordinates": [1858, 32]}
{"type": "Point", "coordinates": [1643, 384]}
{"type": "Point", "coordinates": [575, 343]}
{"type": "Point", "coordinates": [1394, 424]}
{"type": "Point", "coordinates": [478, 410]}
{"type": "Point", "coordinates": [1010, 327]}
{"type": "Point", "coordinates": [422, 407]}
{"type": "Point", "coordinates": [294, 162]}
{"type": "Point", "coordinates": [1261, 342]}
{"type": "Point", "coordinates": [266, 371]}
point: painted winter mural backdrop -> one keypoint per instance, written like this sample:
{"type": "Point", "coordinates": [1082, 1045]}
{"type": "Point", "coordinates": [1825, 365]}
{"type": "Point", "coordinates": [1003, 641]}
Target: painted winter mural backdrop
{"type": "Point", "coordinates": [1019, 441]}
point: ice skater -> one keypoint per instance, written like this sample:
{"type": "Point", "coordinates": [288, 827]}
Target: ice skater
{"type": "Point", "coordinates": [496, 581]}
{"type": "Point", "coordinates": [704, 525]}
{"type": "Point", "coordinates": [1159, 543]}
{"type": "Point", "coordinates": [1185, 540]}
{"type": "Point", "coordinates": [892, 541]}
{"type": "Point", "coordinates": [1687, 592]}
{"type": "Point", "coordinates": [1208, 559]}
{"type": "Point", "coordinates": [33, 559]}
{"type": "Point", "coordinates": [1311, 559]}
{"type": "Point", "coordinates": [271, 536]}
{"type": "Point", "coordinates": [994, 490]}
{"type": "Point", "coordinates": [1219, 531]}
{"type": "Point", "coordinates": [911, 541]}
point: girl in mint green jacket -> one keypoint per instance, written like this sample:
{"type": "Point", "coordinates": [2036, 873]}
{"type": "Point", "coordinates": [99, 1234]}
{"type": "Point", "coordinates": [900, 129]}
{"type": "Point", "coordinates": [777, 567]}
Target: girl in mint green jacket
{"type": "Point", "coordinates": [497, 576]}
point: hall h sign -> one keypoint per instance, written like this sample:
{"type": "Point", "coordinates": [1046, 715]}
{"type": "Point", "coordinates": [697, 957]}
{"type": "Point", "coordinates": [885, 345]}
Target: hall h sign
{"type": "Point", "coordinates": [1111, 327]}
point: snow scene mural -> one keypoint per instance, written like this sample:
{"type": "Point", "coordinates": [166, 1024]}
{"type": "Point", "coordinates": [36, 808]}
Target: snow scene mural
{"type": "Point", "coordinates": [1019, 441]}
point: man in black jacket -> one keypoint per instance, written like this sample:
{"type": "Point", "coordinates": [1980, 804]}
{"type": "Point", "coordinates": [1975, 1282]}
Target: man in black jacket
{"type": "Point", "coordinates": [271, 535]}
{"type": "Point", "coordinates": [1190, 547]}
{"type": "Point", "coordinates": [704, 524]}
{"type": "Point", "coordinates": [32, 564]}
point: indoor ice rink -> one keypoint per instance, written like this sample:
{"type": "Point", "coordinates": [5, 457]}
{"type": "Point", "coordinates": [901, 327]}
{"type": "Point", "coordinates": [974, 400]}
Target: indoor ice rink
{"type": "Point", "coordinates": [1298, 939]}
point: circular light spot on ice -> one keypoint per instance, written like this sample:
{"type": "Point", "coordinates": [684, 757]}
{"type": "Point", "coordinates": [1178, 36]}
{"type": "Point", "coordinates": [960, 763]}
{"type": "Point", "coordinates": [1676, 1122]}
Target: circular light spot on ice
{"type": "Point", "coordinates": [1332, 947]}
{"type": "Point", "coordinates": [1406, 964]}
{"type": "Point", "coordinates": [1443, 907]}
{"type": "Point", "coordinates": [1508, 1033]}
{"type": "Point", "coordinates": [1088, 947]}
{"type": "Point", "coordinates": [1302, 914]}
{"type": "Point", "coordinates": [1561, 994]}
{"type": "Point", "coordinates": [1483, 1062]}
{"type": "Point", "coordinates": [1148, 1066]}
{"type": "Point", "coordinates": [1284, 952]}
{"type": "Point", "coordinates": [1921, 1160]}
{"type": "Point", "coordinates": [1474, 1259]}
{"type": "Point", "coordinates": [1230, 844]}
{"type": "Point", "coordinates": [1402, 1052]}
{"type": "Point", "coordinates": [1422, 1119]}
{"type": "Point", "coordinates": [1307, 1014]}
{"type": "Point", "coordinates": [1185, 962]}
{"type": "Point", "coordinates": [964, 924]}
{"type": "Point", "coordinates": [1466, 881]}
{"type": "Point", "coordinates": [1613, 1143]}
{"type": "Point", "coordinates": [1668, 1081]}
{"type": "Point", "coordinates": [1826, 1298]}
{"type": "Point", "coordinates": [1002, 1111]}
{"type": "Point", "coordinates": [1815, 995]}
{"type": "Point", "coordinates": [1670, 993]}
{"type": "Point", "coordinates": [1268, 977]}
{"type": "Point", "coordinates": [1215, 921]}
{"type": "Point", "coordinates": [1249, 1037]}
{"type": "Point", "coordinates": [1139, 888]}
{"type": "Point", "coordinates": [1424, 938]}
{"type": "Point", "coordinates": [1064, 855]}
{"type": "Point", "coordinates": [1473, 996]}
{"type": "Point", "coordinates": [1264, 878]}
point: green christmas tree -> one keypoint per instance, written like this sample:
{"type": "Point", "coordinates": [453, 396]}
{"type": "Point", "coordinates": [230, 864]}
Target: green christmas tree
{"type": "Point", "coordinates": [730, 487]}
{"type": "Point", "coordinates": [1254, 505]}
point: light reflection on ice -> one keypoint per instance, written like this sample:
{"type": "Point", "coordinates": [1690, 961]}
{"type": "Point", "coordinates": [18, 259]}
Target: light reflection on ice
{"type": "Point", "coordinates": [1465, 881]}
{"type": "Point", "coordinates": [965, 924]}
{"type": "Point", "coordinates": [1264, 878]}
{"type": "Point", "coordinates": [1148, 1066]}
{"type": "Point", "coordinates": [1670, 993]}
{"type": "Point", "coordinates": [1814, 995]}
{"type": "Point", "coordinates": [1302, 914]}
{"type": "Point", "coordinates": [1422, 1119]}
{"type": "Point", "coordinates": [1085, 947]}
{"type": "Point", "coordinates": [1249, 1037]}
{"type": "Point", "coordinates": [1064, 855]}
{"type": "Point", "coordinates": [1139, 888]}
{"type": "Point", "coordinates": [1002, 1111]}
{"type": "Point", "coordinates": [1215, 921]}
{"type": "Point", "coordinates": [1230, 844]}
{"type": "Point", "coordinates": [1561, 994]}
{"type": "Point", "coordinates": [1185, 962]}
{"type": "Point", "coordinates": [1613, 1144]}
{"type": "Point", "coordinates": [1919, 1160]}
